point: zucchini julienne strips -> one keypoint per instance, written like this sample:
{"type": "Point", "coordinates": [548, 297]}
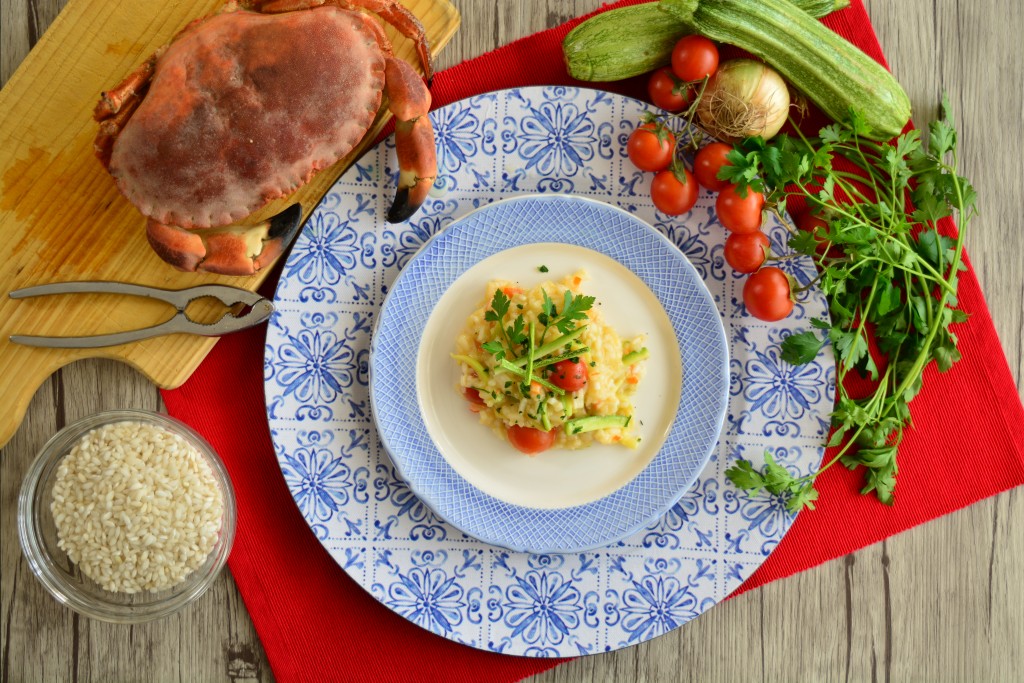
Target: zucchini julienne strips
{"type": "Point", "coordinates": [595, 422]}
{"type": "Point", "coordinates": [551, 346]}
{"type": "Point", "coordinates": [477, 366]}
{"type": "Point", "coordinates": [519, 372]}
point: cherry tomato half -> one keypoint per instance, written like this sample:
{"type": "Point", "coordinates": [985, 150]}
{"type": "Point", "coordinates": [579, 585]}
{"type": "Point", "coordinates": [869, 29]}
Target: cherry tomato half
{"type": "Point", "coordinates": [707, 163]}
{"type": "Point", "coordinates": [667, 91]}
{"type": "Point", "coordinates": [694, 58]}
{"type": "Point", "coordinates": [746, 252]}
{"type": "Point", "coordinates": [647, 151]}
{"type": "Point", "coordinates": [530, 440]}
{"type": "Point", "coordinates": [473, 397]}
{"type": "Point", "coordinates": [568, 375]}
{"type": "Point", "coordinates": [739, 214]}
{"type": "Point", "coordinates": [671, 196]}
{"type": "Point", "coordinates": [766, 294]}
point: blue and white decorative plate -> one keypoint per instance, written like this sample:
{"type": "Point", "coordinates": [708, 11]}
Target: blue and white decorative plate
{"type": "Point", "coordinates": [512, 142]}
{"type": "Point", "coordinates": [562, 501]}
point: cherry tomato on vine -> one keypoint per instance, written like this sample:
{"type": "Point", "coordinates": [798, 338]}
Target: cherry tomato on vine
{"type": "Point", "coordinates": [648, 151]}
{"type": "Point", "coordinates": [568, 375]}
{"type": "Point", "coordinates": [694, 58]}
{"type": "Point", "coordinates": [671, 196]}
{"type": "Point", "coordinates": [530, 440]}
{"type": "Point", "coordinates": [707, 163]}
{"type": "Point", "coordinates": [667, 91]}
{"type": "Point", "coordinates": [746, 252]}
{"type": "Point", "coordinates": [766, 295]}
{"type": "Point", "coordinates": [739, 214]}
{"type": "Point", "coordinates": [809, 221]}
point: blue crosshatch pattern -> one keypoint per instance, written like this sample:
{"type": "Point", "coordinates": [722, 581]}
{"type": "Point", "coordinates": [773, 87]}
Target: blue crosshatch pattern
{"type": "Point", "coordinates": [490, 147]}
{"type": "Point", "coordinates": [603, 228]}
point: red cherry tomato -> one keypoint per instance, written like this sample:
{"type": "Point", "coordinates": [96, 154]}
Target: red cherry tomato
{"type": "Point", "coordinates": [667, 91]}
{"type": "Point", "coordinates": [476, 401]}
{"type": "Point", "coordinates": [766, 294]}
{"type": "Point", "coordinates": [529, 440]}
{"type": "Point", "coordinates": [745, 252]}
{"type": "Point", "coordinates": [809, 221]}
{"type": "Point", "coordinates": [707, 163]}
{"type": "Point", "coordinates": [739, 214]}
{"type": "Point", "coordinates": [694, 58]}
{"type": "Point", "coordinates": [568, 375]}
{"type": "Point", "coordinates": [647, 151]}
{"type": "Point", "coordinates": [671, 196]}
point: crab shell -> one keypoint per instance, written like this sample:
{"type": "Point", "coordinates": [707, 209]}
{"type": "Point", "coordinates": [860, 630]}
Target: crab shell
{"type": "Point", "coordinates": [244, 108]}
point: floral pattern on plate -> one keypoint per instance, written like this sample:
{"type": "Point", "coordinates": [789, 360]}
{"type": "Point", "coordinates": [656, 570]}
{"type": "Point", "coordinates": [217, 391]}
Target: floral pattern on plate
{"type": "Point", "coordinates": [528, 140]}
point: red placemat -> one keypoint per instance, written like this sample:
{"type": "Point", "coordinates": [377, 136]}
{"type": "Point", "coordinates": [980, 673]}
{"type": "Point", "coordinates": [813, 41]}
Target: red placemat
{"type": "Point", "coordinates": [316, 624]}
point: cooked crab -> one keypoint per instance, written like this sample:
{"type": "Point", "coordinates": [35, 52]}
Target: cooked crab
{"type": "Point", "coordinates": [247, 105]}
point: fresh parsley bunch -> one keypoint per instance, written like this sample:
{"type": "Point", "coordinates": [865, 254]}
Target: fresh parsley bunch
{"type": "Point", "coordinates": [887, 270]}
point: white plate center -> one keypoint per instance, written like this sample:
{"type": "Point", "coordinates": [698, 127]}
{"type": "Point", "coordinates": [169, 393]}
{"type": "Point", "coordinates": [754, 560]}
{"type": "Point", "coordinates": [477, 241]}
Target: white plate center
{"type": "Point", "coordinates": [557, 478]}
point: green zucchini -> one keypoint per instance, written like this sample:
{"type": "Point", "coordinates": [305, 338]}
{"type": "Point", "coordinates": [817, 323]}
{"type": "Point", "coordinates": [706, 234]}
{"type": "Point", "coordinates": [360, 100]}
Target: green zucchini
{"type": "Point", "coordinates": [831, 72]}
{"type": "Point", "coordinates": [630, 41]}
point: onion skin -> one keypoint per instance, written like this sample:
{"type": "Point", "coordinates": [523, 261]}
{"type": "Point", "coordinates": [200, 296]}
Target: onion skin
{"type": "Point", "coordinates": [743, 99]}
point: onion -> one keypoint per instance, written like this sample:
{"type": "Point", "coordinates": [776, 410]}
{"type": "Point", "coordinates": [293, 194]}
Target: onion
{"type": "Point", "coordinates": [744, 98]}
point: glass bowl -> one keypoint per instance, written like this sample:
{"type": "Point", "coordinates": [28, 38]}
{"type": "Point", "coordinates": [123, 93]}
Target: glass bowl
{"type": "Point", "coordinates": [51, 565]}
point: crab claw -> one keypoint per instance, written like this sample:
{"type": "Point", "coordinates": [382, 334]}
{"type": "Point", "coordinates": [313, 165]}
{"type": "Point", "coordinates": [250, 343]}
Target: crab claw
{"type": "Point", "coordinates": [235, 250]}
{"type": "Point", "coordinates": [409, 101]}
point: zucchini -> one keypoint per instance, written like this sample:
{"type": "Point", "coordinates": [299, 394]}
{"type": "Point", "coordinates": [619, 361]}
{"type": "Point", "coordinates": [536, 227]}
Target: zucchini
{"type": "Point", "coordinates": [630, 41]}
{"type": "Point", "coordinates": [831, 72]}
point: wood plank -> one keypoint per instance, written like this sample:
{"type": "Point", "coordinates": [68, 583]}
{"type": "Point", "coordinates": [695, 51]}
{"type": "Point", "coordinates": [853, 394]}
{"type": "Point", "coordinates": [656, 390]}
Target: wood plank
{"type": "Point", "coordinates": [64, 219]}
{"type": "Point", "coordinates": [942, 602]}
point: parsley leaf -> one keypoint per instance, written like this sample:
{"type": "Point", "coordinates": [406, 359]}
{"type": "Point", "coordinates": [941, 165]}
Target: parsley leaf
{"type": "Point", "coordinates": [798, 349]}
{"type": "Point", "coordinates": [495, 348]}
{"type": "Point", "coordinates": [888, 274]}
{"type": "Point", "coordinates": [499, 307]}
{"type": "Point", "coordinates": [573, 308]}
{"type": "Point", "coordinates": [745, 477]}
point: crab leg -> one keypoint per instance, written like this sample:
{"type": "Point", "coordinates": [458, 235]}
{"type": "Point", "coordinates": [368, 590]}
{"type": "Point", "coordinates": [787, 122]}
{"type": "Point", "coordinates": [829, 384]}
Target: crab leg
{"type": "Point", "coordinates": [117, 105]}
{"type": "Point", "coordinates": [409, 101]}
{"type": "Point", "coordinates": [236, 250]}
{"type": "Point", "coordinates": [390, 11]}
{"type": "Point", "coordinates": [134, 84]}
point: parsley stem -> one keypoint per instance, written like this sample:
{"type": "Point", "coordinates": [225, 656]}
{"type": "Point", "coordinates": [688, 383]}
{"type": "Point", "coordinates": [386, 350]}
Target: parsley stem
{"type": "Point", "coordinates": [866, 166]}
{"type": "Point", "coordinates": [508, 341]}
{"type": "Point", "coordinates": [941, 282]}
{"type": "Point", "coordinates": [925, 353]}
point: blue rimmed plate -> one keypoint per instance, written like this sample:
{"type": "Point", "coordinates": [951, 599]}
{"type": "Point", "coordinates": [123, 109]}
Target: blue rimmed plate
{"type": "Point", "coordinates": [562, 501]}
{"type": "Point", "coordinates": [511, 142]}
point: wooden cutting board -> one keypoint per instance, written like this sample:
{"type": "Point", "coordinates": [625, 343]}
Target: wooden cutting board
{"type": "Point", "coordinates": [62, 218]}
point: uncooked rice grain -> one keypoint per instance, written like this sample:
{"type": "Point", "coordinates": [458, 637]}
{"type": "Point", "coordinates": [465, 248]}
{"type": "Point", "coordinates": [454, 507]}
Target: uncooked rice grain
{"type": "Point", "coordinates": [136, 506]}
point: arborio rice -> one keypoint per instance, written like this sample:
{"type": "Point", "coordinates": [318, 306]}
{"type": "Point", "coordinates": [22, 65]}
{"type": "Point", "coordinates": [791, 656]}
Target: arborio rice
{"type": "Point", "coordinates": [136, 507]}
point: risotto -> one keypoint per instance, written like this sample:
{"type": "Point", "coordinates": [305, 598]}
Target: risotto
{"type": "Point", "coordinates": [542, 369]}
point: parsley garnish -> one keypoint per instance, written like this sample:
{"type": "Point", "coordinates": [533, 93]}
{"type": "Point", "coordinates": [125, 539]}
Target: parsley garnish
{"type": "Point", "coordinates": [520, 352]}
{"type": "Point", "coordinates": [888, 267]}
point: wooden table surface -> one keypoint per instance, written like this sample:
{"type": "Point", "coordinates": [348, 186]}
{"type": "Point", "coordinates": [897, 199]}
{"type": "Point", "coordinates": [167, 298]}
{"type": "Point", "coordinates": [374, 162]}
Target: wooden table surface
{"type": "Point", "coordinates": [943, 602]}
